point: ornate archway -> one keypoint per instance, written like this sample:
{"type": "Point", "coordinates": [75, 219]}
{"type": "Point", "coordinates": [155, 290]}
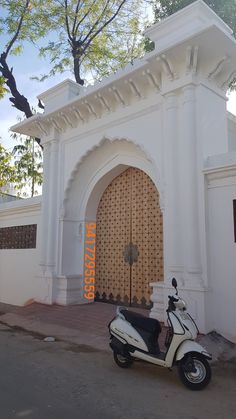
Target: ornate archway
{"type": "Point", "coordinates": [86, 186]}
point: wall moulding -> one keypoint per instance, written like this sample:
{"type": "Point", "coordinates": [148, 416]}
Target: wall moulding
{"type": "Point", "coordinates": [20, 207]}
{"type": "Point", "coordinates": [220, 173]}
{"type": "Point", "coordinates": [90, 152]}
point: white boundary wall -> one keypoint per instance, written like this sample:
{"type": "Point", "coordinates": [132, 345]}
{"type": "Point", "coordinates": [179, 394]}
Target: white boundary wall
{"type": "Point", "coordinates": [221, 186]}
{"type": "Point", "coordinates": [19, 282]}
{"type": "Point", "coordinates": [166, 115]}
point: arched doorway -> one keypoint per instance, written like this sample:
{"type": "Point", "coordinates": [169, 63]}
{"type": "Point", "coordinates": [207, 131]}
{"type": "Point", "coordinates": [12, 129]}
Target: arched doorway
{"type": "Point", "coordinates": [129, 243]}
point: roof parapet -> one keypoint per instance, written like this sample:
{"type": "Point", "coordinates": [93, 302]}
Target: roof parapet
{"type": "Point", "coordinates": [62, 92]}
{"type": "Point", "coordinates": [185, 23]}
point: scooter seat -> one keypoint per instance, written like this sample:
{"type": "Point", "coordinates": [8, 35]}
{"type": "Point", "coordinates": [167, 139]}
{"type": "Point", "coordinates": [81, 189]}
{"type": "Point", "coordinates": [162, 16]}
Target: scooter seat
{"type": "Point", "coordinates": [139, 321]}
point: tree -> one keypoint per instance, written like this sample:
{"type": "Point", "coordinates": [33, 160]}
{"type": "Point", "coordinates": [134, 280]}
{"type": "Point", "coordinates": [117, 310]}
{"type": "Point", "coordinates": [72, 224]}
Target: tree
{"type": "Point", "coordinates": [28, 165]}
{"type": "Point", "coordinates": [94, 36]}
{"type": "Point", "coordinates": [15, 21]}
{"type": "Point", "coordinates": [20, 23]}
{"type": "Point", "coordinates": [8, 173]}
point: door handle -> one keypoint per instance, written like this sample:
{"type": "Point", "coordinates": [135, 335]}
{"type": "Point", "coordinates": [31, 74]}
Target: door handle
{"type": "Point", "coordinates": [131, 253]}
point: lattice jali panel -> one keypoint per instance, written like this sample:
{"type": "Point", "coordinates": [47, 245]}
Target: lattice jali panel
{"type": "Point", "coordinates": [18, 237]}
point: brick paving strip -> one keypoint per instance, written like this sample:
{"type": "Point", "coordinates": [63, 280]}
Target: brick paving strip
{"type": "Point", "coordinates": [79, 324]}
{"type": "Point", "coordinates": [86, 326]}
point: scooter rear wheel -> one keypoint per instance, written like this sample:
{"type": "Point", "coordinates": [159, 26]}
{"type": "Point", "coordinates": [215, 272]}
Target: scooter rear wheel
{"type": "Point", "coordinates": [122, 361]}
{"type": "Point", "coordinates": [200, 378]}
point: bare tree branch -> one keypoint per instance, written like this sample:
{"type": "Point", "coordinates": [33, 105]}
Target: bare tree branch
{"type": "Point", "coordinates": [18, 100]}
{"type": "Point", "coordinates": [67, 20]}
{"type": "Point", "coordinates": [76, 17]}
{"type": "Point", "coordinates": [84, 17]}
{"type": "Point", "coordinates": [104, 25]}
{"type": "Point", "coordinates": [97, 21]}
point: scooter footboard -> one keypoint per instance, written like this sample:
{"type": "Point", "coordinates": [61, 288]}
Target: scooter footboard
{"type": "Point", "coordinates": [191, 346]}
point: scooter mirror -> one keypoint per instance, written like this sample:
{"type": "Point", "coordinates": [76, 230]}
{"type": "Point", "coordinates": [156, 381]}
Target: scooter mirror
{"type": "Point", "coordinates": [174, 283]}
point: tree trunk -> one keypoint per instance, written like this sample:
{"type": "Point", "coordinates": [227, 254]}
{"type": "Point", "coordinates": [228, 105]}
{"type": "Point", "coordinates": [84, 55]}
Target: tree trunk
{"type": "Point", "coordinates": [78, 79]}
{"type": "Point", "coordinates": [19, 101]}
{"type": "Point", "coordinates": [76, 52]}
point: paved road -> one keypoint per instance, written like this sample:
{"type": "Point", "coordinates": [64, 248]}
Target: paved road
{"type": "Point", "coordinates": [57, 380]}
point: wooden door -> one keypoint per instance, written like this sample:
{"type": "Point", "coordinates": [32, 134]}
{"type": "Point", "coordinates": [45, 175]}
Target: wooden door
{"type": "Point", "coordinates": [129, 240]}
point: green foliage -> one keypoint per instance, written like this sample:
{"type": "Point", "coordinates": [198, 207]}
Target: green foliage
{"type": "Point", "coordinates": [28, 164]}
{"type": "Point", "coordinates": [22, 168]}
{"type": "Point", "coordinates": [8, 173]}
{"type": "Point", "coordinates": [34, 24]}
{"type": "Point", "coordinates": [3, 89]}
{"type": "Point", "coordinates": [20, 21]}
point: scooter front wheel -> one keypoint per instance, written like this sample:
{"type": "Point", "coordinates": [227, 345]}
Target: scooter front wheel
{"type": "Point", "coordinates": [198, 379]}
{"type": "Point", "coordinates": [122, 361]}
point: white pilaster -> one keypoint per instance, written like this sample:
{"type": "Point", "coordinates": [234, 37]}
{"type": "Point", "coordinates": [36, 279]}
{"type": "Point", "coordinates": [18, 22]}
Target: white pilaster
{"type": "Point", "coordinates": [45, 219]}
{"type": "Point", "coordinates": [189, 189]}
{"type": "Point", "coordinates": [172, 228]}
{"type": "Point", "coordinates": [52, 207]}
{"type": "Point", "coordinates": [49, 218]}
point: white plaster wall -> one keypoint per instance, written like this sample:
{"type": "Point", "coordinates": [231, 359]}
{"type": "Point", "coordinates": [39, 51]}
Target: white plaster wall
{"type": "Point", "coordinates": [19, 269]}
{"type": "Point", "coordinates": [232, 132]}
{"type": "Point", "coordinates": [211, 123]}
{"type": "Point", "coordinates": [222, 257]}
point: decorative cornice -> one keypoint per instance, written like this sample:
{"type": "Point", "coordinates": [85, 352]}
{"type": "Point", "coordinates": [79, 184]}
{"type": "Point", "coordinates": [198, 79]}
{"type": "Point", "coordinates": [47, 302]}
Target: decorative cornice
{"type": "Point", "coordinates": [32, 205]}
{"type": "Point", "coordinates": [217, 175]}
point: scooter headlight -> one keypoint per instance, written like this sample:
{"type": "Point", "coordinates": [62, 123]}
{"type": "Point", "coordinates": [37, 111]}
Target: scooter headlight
{"type": "Point", "coordinates": [180, 304]}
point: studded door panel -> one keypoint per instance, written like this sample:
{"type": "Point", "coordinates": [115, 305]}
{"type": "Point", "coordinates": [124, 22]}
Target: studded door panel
{"type": "Point", "coordinates": [128, 213]}
{"type": "Point", "coordinates": [113, 231]}
{"type": "Point", "coordinates": [147, 234]}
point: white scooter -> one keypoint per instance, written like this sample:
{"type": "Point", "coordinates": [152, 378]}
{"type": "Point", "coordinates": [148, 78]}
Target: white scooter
{"type": "Point", "coordinates": [136, 336]}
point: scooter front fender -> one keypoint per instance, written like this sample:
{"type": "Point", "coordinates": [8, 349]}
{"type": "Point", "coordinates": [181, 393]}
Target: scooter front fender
{"type": "Point", "coordinates": [190, 346]}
